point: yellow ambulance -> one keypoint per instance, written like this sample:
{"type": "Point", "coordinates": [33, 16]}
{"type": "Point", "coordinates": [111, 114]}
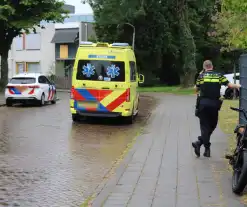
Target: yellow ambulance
{"type": "Point", "coordinates": [105, 81]}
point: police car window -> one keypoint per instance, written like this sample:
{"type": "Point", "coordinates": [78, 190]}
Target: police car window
{"type": "Point", "coordinates": [132, 71]}
{"type": "Point", "coordinates": [101, 70]}
{"type": "Point", "coordinates": [47, 80]}
{"type": "Point", "coordinates": [22, 80]}
{"type": "Point", "coordinates": [42, 79]}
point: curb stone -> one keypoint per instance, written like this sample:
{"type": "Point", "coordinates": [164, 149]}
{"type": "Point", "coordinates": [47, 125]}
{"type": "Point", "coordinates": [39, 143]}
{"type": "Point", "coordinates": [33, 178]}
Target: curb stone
{"type": "Point", "coordinates": [63, 90]}
{"type": "Point", "coordinates": [105, 189]}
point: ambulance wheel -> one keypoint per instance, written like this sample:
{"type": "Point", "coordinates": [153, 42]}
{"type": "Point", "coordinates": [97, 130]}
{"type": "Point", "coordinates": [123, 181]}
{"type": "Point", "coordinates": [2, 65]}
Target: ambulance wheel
{"type": "Point", "coordinates": [137, 109]}
{"type": "Point", "coordinates": [75, 118]}
{"type": "Point", "coordinates": [129, 119]}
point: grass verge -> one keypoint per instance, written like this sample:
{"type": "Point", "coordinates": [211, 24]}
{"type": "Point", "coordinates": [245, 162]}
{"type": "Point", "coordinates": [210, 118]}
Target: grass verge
{"type": "Point", "coordinates": [228, 120]}
{"type": "Point", "coordinates": [168, 89]}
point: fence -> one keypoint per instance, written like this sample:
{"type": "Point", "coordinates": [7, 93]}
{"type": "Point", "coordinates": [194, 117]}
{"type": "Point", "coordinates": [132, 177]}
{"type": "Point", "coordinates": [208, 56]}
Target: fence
{"type": "Point", "coordinates": [62, 82]}
{"type": "Point", "coordinates": [243, 82]}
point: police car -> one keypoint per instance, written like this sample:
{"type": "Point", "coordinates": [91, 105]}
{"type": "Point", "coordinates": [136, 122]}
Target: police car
{"type": "Point", "coordinates": [225, 90]}
{"type": "Point", "coordinates": [30, 87]}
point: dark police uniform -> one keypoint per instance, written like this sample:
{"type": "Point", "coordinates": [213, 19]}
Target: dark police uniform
{"type": "Point", "coordinates": [209, 84]}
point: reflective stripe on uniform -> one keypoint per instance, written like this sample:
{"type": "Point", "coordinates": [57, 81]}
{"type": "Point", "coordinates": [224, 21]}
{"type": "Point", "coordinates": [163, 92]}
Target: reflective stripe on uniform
{"type": "Point", "coordinates": [223, 79]}
{"type": "Point", "coordinates": [211, 80]}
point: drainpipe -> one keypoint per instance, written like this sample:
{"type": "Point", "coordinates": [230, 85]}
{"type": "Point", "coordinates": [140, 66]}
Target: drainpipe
{"type": "Point", "coordinates": [86, 32]}
{"type": "Point", "coordinates": [80, 33]}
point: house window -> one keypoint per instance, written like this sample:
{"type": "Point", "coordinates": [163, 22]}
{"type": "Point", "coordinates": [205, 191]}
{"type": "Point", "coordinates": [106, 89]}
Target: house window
{"type": "Point", "coordinates": [30, 67]}
{"type": "Point", "coordinates": [33, 41]}
{"type": "Point", "coordinates": [19, 43]}
{"type": "Point", "coordinates": [33, 67]}
{"type": "Point", "coordinates": [20, 67]}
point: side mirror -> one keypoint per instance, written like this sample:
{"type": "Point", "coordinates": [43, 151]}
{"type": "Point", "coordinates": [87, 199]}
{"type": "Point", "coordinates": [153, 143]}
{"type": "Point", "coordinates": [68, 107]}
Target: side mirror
{"type": "Point", "coordinates": [141, 78]}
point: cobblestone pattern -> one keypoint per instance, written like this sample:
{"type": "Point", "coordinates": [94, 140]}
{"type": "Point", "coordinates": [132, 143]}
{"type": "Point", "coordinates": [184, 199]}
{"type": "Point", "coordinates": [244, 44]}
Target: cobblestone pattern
{"type": "Point", "coordinates": [47, 161]}
{"type": "Point", "coordinates": [162, 170]}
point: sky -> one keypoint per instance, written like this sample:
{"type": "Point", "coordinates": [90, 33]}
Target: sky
{"type": "Point", "coordinates": [79, 7]}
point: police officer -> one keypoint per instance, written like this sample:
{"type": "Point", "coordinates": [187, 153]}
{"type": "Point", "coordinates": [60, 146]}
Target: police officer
{"type": "Point", "coordinates": [209, 84]}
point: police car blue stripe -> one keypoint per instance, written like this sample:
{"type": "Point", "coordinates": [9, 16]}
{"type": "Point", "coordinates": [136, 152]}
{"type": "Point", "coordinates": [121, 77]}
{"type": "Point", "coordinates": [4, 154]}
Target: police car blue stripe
{"type": "Point", "coordinates": [16, 91]}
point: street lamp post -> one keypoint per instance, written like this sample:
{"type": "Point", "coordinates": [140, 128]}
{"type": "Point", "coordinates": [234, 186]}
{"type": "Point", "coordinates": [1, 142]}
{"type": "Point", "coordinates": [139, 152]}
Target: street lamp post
{"type": "Point", "coordinates": [134, 34]}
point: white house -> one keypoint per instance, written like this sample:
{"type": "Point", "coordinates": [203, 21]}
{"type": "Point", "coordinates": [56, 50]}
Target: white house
{"type": "Point", "coordinates": [32, 52]}
{"type": "Point", "coordinates": [36, 52]}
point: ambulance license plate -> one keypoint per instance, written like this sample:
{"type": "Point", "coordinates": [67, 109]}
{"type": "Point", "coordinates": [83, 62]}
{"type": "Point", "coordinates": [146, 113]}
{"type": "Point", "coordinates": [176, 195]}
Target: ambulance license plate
{"type": "Point", "coordinates": [87, 104]}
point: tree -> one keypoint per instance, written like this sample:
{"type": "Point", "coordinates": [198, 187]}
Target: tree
{"type": "Point", "coordinates": [171, 36]}
{"type": "Point", "coordinates": [230, 24]}
{"type": "Point", "coordinates": [18, 16]}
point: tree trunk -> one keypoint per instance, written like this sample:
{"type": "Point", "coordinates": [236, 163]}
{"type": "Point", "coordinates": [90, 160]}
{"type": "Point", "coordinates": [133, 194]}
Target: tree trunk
{"type": "Point", "coordinates": [188, 46]}
{"type": "Point", "coordinates": [188, 79]}
{"type": "Point", "coordinates": [4, 69]}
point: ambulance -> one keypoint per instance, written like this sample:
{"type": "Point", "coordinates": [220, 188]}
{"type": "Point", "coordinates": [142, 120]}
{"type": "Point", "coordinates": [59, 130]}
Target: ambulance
{"type": "Point", "coordinates": [105, 81]}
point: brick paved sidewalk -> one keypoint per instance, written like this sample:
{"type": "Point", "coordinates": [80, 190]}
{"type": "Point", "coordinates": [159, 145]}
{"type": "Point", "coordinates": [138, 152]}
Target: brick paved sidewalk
{"type": "Point", "coordinates": [161, 169]}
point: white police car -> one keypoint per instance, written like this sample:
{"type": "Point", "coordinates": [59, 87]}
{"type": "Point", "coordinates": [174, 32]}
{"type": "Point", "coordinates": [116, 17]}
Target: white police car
{"type": "Point", "coordinates": [30, 87]}
{"type": "Point", "coordinates": [225, 90]}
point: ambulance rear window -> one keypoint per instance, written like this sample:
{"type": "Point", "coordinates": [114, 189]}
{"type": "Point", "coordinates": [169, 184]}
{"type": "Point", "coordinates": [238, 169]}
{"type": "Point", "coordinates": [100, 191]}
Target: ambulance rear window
{"type": "Point", "coordinates": [101, 70]}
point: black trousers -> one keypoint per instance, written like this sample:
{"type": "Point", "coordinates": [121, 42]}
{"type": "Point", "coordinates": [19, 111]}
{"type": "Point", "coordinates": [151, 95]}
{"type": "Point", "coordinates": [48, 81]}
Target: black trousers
{"type": "Point", "coordinates": [208, 117]}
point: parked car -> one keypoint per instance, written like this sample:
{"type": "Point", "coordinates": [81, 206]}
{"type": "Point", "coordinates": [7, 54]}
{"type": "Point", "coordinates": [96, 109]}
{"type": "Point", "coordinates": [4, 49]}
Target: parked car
{"type": "Point", "coordinates": [225, 90]}
{"type": "Point", "coordinates": [30, 87]}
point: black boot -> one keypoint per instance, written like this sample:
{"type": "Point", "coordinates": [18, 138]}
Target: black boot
{"type": "Point", "coordinates": [197, 146]}
{"type": "Point", "coordinates": [207, 152]}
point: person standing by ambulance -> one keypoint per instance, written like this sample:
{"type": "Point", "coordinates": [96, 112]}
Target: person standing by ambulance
{"type": "Point", "coordinates": [208, 84]}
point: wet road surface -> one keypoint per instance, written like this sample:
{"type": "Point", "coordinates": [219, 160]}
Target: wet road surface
{"type": "Point", "coordinates": [48, 161]}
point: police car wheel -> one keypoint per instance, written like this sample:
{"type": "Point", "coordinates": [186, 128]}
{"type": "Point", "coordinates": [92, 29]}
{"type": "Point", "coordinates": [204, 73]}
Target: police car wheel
{"type": "Point", "coordinates": [42, 100]}
{"type": "Point", "coordinates": [54, 101]}
{"type": "Point", "coordinates": [9, 103]}
{"type": "Point", "coordinates": [230, 93]}
{"type": "Point", "coordinates": [75, 118]}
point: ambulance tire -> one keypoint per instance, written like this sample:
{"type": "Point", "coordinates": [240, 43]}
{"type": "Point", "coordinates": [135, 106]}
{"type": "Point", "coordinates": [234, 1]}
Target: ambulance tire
{"type": "Point", "coordinates": [130, 119]}
{"type": "Point", "coordinates": [137, 108]}
{"type": "Point", "coordinates": [75, 118]}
